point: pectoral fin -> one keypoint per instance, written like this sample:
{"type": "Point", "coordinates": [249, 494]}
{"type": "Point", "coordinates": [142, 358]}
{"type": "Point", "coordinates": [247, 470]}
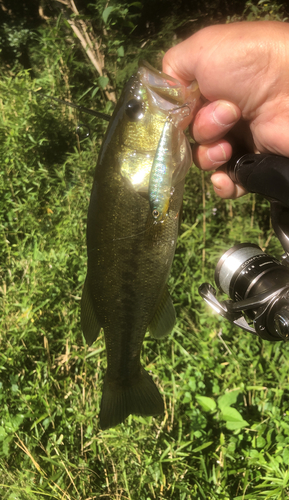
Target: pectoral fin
{"type": "Point", "coordinates": [89, 322]}
{"type": "Point", "coordinates": [164, 318]}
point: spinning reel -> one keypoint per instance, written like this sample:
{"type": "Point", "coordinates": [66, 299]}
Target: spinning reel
{"type": "Point", "coordinates": [257, 283]}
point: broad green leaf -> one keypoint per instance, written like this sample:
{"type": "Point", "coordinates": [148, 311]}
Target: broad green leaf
{"type": "Point", "coordinates": [120, 51]}
{"type": "Point", "coordinates": [261, 442]}
{"type": "Point", "coordinates": [285, 456]}
{"type": "Point", "coordinates": [228, 399]}
{"type": "Point", "coordinates": [5, 445]}
{"type": "Point", "coordinates": [231, 415]}
{"type": "Point", "coordinates": [187, 397]}
{"type": "Point", "coordinates": [208, 404]}
{"type": "Point", "coordinates": [3, 433]}
{"type": "Point", "coordinates": [106, 13]}
{"type": "Point", "coordinates": [233, 426]}
{"type": "Point", "coordinates": [17, 420]}
{"type": "Point", "coordinates": [137, 4]}
{"type": "Point", "coordinates": [103, 81]}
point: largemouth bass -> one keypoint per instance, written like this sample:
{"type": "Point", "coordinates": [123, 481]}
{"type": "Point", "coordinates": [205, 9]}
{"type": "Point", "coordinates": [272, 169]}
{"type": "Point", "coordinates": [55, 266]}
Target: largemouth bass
{"type": "Point", "coordinates": [130, 251]}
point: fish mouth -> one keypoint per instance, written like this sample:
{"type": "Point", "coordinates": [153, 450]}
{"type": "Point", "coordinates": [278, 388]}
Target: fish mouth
{"type": "Point", "coordinates": [167, 95]}
{"type": "Point", "coordinates": [162, 83]}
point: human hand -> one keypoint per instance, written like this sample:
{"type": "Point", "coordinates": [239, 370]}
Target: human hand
{"type": "Point", "coordinates": [243, 73]}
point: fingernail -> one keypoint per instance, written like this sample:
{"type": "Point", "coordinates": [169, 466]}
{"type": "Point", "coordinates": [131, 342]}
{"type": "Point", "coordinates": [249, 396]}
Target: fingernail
{"type": "Point", "coordinates": [217, 154]}
{"type": "Point", "coordinates": [224, 114]}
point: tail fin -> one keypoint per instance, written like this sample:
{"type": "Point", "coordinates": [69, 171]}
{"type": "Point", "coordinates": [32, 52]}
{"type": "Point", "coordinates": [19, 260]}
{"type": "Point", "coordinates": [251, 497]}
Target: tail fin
{"type": "Point", "coordinates": [141, 397]}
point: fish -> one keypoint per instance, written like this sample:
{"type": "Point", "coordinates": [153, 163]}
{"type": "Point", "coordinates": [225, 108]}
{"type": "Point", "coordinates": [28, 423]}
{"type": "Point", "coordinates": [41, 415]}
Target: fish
{"type": "Point", "coordinates": [129, 252]}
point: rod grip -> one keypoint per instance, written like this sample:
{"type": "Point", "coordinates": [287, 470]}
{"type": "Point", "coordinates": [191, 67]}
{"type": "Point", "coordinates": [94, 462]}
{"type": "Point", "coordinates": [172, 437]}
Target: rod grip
{"type": "Point", "coordinates": [264, 174]}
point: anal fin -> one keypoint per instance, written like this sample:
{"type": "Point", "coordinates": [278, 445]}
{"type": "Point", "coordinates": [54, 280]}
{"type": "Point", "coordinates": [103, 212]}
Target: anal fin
{"type": "Point", "coordinates": [164, 318]}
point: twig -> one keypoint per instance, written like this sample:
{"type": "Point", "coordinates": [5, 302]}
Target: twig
{"type": "Point", "coordinates": [92, 50]}
{"type": "Point", "coordinates": [204, 223]}
{"type": "Point", "coordinates": [223, 342]}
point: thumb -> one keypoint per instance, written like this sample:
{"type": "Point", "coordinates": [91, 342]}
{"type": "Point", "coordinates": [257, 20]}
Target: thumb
{"type": "Point", "coordinates": [180, 61]}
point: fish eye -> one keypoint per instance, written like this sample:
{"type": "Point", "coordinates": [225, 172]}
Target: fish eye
{"type": "Point", "coordinates": [155, 214]}
{"type": "Point", "coordinates": [134, 109]}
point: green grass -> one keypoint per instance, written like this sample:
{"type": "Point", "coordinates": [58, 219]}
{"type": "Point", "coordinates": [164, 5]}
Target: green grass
{"type": "Point", "coordinates": [225, 431]}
